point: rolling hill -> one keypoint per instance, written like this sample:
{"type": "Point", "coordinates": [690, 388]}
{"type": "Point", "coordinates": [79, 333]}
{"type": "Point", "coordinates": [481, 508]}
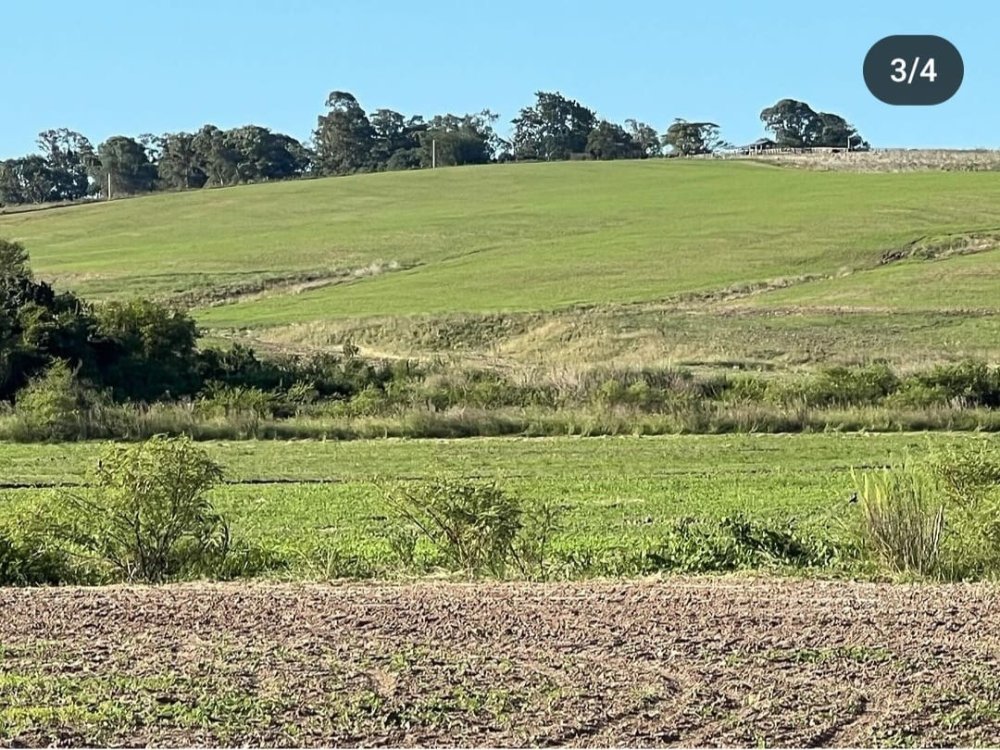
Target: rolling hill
{"type": "Point", "coordinates": [669, 236]}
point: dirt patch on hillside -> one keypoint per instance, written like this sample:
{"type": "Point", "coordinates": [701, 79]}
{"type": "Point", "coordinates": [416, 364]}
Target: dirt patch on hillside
{"type": "Point", "coordinates": [689, 662]}
{"type": "Point", "coordinates": [261, 287]}
{"type": "Point", "coordinates": [928, 248]}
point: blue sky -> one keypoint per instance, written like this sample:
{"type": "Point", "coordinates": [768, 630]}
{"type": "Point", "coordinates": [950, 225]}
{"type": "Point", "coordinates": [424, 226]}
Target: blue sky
{"type": "Point", "coordinates": [119, 67]}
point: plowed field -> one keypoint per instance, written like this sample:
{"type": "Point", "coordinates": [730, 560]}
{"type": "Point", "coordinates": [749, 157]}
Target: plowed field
{"type": "Point", "coordinates": [686, 661]}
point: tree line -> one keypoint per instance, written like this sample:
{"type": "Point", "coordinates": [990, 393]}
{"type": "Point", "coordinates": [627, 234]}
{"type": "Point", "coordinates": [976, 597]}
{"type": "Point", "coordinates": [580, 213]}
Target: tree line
{"type": "Point", "coordinates": [349, 140]}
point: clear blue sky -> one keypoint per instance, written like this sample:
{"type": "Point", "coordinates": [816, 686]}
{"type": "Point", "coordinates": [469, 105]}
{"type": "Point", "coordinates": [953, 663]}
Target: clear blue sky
{"type": "Point", "coordinates": [117, 67]}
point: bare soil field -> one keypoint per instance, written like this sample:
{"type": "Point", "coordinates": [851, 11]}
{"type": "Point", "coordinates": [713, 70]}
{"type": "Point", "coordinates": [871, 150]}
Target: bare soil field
{"type": "Point", "coordinates": [694, 662]}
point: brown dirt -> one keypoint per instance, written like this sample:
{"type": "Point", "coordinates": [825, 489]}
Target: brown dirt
{"type": "Point", "coordinates": [695, 662]}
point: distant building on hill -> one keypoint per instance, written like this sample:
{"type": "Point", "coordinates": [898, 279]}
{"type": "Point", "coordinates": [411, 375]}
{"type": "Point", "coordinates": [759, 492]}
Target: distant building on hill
{"type": "Point", "coordinates": [761, 144]}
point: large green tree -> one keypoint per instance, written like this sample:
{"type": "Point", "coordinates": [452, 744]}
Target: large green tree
{"type": "Point", "coordinates": [796, 125]}
{"type": "Point", "coordinates": [394, 135]}
{"type": "Point", "coordinates": [344, 137]}
{"type": "Point", "coordinates": [180, 165]}
{"type": "Point", "coordinates": [218, 157]}
{"type": "Point", "coordinates": [125, 163]}
{"type": "Point", "coordinates": [263, 155]}
{"type": "Point", "coordinates": [610, 141]}
{"type": "Point", "coordinates": [37, 325]}
{"type": "Point", "coordinates": [645, 138]}
{"type": "Point", "coordinates": [692, 138]}
{"type": "Point", "coordinates": [27, 180]}
{"type": "Point", "coordinates": [453, 140]}
{"type": "Point", "coordinates": [140, 349]}
{"type": "Point", "coordinates": [836, 132]}
{"type": "Point", "coordinates": [553, 128]}
{"type": "Point", "coordinates": [70, 157]}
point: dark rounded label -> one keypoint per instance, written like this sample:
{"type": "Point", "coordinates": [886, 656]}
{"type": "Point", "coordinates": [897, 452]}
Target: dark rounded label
{"type": "Point", "coordinates": [914, 69]}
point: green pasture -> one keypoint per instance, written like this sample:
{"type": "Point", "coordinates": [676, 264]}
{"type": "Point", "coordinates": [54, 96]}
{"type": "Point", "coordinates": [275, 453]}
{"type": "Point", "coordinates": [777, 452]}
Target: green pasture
{"type": "Point", "coordinates": [523, 237]}
{"type": "Point", "coordinates": [316, 499]}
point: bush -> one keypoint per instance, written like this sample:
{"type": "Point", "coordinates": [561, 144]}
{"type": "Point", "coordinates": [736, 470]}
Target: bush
{"type": "Point", "coordinates": [970, 383]}
{"type": "Point", "coordinates": [737, 542]}
{"type": "Point", "coordinates": [149, 519]}
{"type": "Point", "coordinates": [692, 545]}
{"type": "Point", "coordinates": [705, 545]}
{"type": "Point", "coordinates": [13, 259]}
{"type": "Point", "coordinates": [844, 386]}
{"type": "Point", "coordinates": [914, 394]}
{"type": "Point", "coordinates": [969, 478]}
{"type": "Point", "coordinates": [903, 519]}
{"type": "Point", "coordinates": [31, 559]}
{"type": "Point", "coordinates": [744, 390]}
{"type": "Point", "coordinates": [541, 522]}
{"type": "Point", "coordinates": [150, 350]}
{"type": "Point", "coordinates": [249, 560]}
{"type": "Point", "coordinates": [474, 526]}
{"type": "Point", "coordinates": [55, 406]}
{"type": "Point", "coordinates": [968, 473]}
{"type": "Point", "coordinates": [758, 542]}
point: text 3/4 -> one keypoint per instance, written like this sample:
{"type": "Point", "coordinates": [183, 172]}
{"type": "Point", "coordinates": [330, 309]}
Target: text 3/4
{"type": "Point", "coordinates": [903, 71]}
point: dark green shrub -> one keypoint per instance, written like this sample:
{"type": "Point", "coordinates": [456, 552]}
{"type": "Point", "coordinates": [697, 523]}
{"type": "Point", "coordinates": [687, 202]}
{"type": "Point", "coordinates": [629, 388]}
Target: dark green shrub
{"type": "Point", "coordinates": [13, 259]}
{"type": "Point", "coordinates": [38, 326]}
{"type": "Point", "coordinates": [971, 383]}
{"type": "Point", "coordinates": [851, 386]}
{"type": "Point", "coordinates": [148, 350]}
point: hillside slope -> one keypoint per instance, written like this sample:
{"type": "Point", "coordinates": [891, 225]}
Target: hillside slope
{"type": "Point", "coordinates": [510, 237]}
{"type": "Point", "coordinates": [700, 235]}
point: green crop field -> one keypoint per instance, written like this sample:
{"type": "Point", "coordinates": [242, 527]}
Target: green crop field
{"type": "Point", "coordinates": [310, 262]}
{"type": "Point", "coordinates": [315, 499]}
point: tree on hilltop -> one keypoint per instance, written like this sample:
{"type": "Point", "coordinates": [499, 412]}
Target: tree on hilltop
{"type": "Point", "coordinates": [796, 125]}
{"type": "Point", "coordinates": [693, 138]}
{"type": "Point", "coordinates": [553, 128]}
{"type": "Point", "coordinates": [344, 136]}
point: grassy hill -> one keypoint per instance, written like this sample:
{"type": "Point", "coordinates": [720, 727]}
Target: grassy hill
{"type": "Point", "coordinates": [307, 261]}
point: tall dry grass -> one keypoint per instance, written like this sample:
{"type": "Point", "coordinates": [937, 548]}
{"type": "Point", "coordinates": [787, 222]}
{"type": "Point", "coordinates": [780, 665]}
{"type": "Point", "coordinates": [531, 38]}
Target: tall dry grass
{"type": "Point", "coordinates": [903, 518]}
